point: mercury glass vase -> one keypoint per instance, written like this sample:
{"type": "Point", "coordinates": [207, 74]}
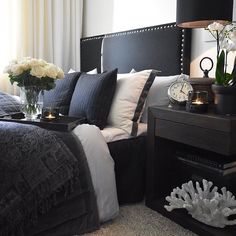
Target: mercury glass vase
{"type": "Point", "coordinates": [31, 101]}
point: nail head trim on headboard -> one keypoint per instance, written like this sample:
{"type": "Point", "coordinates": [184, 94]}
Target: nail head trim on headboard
{"type": "Point", "coordinates": [184, 51]}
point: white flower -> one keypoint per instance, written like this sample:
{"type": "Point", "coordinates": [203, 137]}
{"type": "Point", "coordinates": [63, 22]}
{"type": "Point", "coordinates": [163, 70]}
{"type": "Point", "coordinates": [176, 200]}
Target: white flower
{"type": "Point", "coordinates": [8, 68]}
{"type": "Point", "coordinates": [215, 26]}
{"type": "Point", "coordinates": [51, 71]}
{"type": "Point", "coordinates": [226, 42]}
{"type": "Point", "coordinates": [37, 68]}
{"type": "Point", "coordinates": [42, 62]}
{"type": "Point", "coordinates": [232, 35]}
{"type": "Point", "coordinates": [34, 62]}
{"type": "Point", "coordinates": [25, 66]}
{"type": "Point", "coordinates": [228, 45]}
{"type": "Point", "coordinates": [38, 71]}
{"type": "Point", "coordinates": [16, 69]}
{"type": "Point", "coordinates": [232, 46]}
{"type": "Point", "coordinates": [60, 74]}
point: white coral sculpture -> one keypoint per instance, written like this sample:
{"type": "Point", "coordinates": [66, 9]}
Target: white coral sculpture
{"type": "Point", "coordinates": [204, 204]}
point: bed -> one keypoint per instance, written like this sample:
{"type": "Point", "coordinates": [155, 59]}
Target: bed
{"type": "Point", "coordinates": [163, 48]}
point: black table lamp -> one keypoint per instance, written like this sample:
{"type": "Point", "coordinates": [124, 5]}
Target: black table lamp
{"type": "Point", "coordinates": [201, 13]}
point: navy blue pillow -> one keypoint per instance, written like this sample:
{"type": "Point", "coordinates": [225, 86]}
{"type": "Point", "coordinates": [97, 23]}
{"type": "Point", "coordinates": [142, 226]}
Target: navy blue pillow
{"type": "Point", "coordinates": [61, 95]}
{"type": "Point", "coordinates": [93, 96]}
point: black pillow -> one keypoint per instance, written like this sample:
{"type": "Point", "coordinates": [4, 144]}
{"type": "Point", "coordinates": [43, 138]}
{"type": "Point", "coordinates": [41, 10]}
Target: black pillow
{"type": "Point", "coordinates": [93, 96]}
{"type": "Point", "coordinates": [61, 95]}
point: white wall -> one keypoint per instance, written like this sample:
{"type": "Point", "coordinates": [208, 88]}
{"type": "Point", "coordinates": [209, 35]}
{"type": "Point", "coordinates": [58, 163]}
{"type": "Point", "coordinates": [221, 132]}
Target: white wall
{"type": "Point", "coordinates": [97, 17]}
{"type": "Point", "coordinates": [202, 47]}
{"type": "Point", "coordinates": [130, 14]}
{"type": "Point", "coordinates": [106, 16]}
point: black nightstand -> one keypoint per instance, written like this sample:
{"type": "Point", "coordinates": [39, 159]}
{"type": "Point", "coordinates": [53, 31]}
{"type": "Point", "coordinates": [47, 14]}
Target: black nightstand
{"type": "Point", "coordinates": [176, 136]}
{"type": "Point", "coordinates": [64, 123]}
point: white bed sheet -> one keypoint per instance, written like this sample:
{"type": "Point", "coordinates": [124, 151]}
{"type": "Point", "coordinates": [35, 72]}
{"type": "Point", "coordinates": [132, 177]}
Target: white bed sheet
{"type": "Point", "coordinates": [112, 134]}
{"type": "Point", "coordinates": [101, 164]}
{"type": "Point", "coordinates": [101, 167]}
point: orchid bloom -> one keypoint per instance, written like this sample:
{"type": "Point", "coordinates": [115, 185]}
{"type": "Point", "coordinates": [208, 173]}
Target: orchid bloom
{"type": "Point", "coordinates": [226, 42]}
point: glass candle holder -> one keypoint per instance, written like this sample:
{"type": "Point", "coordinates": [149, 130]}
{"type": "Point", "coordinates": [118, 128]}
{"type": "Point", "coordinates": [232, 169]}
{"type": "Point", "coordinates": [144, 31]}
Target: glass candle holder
{"type": "Point", "coordinates": [197, 101]}
{"type": "Point", "coordinates": [50, 113]}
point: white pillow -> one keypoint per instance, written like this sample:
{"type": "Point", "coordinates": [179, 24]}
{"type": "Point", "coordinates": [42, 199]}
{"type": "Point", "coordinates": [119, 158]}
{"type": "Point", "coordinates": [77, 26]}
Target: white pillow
{"type": "Point", "coordinates": [126, 74]}
{"type": "Point", "coordinates": [71, 71]}
{"type": "Point", "coordinates": [132, 70]}
{"type": "Point", "coordinates": [129, 99]}
{"type": "Point", "coordinates": [120, 76]}
{"type": "Point", "coordinates": [157, 95]}
{"type": "Point", "coordinates": [91, 72]}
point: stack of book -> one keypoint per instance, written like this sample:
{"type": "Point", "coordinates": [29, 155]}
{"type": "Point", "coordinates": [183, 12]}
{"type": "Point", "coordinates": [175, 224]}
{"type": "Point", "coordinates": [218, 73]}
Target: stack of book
{"type": "Point", "coordinates": [209, 161]}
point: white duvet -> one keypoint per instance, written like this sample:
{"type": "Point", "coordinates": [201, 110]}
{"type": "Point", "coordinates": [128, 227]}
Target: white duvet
{"type": "Point", "coordinates": [101, 167]}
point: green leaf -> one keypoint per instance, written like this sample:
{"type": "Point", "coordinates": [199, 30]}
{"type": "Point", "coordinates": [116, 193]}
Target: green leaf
{"type": "Point", "coordinates": [233, 82]}
{"type": "Point", "coordinates": [227, 79]}
{"type": "Point", "coordinates": [220, 75]}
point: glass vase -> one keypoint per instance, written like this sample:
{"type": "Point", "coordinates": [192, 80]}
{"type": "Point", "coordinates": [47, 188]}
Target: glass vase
{"type": "Point", "coordinates": [31, 101]}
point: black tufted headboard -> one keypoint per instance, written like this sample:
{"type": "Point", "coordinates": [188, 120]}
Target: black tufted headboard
{"type": "Point", "coordinates": [163, 47]}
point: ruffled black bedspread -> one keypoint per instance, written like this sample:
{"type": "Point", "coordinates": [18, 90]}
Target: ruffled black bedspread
{"type": "Point", "coordinates": [40, 171]}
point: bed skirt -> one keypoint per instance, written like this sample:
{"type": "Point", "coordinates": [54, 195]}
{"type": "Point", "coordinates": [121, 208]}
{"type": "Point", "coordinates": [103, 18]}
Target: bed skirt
{"type": "Point", "coordinates": [129, 156]}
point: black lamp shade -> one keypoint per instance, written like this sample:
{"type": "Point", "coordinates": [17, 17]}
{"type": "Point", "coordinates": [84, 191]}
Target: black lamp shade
{"type": "Point", "coordinates": [201, 13]}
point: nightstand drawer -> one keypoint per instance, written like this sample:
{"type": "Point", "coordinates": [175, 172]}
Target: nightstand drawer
{"type": "Point", "coordinates": [209, 139]}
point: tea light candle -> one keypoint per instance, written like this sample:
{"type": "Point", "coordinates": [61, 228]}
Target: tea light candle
{"type": "Point", "coordinates": [50, 116]}
{"type": "Point", "coordinates": [50, 113]}
{"type": "Point", "coordinates": [197, 102]}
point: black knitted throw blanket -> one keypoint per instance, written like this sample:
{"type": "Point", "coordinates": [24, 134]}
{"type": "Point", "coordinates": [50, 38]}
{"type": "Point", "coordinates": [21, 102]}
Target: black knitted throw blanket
{"type": "Point", "coordinates": [34, 165]}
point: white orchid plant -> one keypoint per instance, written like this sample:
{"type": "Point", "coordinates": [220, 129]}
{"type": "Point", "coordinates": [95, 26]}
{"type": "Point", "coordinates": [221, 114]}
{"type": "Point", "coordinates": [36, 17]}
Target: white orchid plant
{"type": "Point", "coordinates": [33, 72]}
{"type": "Point", "coordinates": [225, 36]}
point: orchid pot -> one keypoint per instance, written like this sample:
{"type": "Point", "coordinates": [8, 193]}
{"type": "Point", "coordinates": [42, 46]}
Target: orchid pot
{"type": "Point", "coordinates": [225, 99]}
{"type": "Point", "coordinates": [224, 87]}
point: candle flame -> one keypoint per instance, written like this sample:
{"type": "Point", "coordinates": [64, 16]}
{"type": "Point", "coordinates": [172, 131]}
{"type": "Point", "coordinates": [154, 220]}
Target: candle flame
{"type": "Point", "coordinates": [50, 116]}
{"type": "Point", "coordinates": [197, 102]}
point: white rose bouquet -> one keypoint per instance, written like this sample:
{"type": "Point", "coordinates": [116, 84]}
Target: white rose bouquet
{"type": "Point", "coordinates": [34, 72]}
{"type": "Point", "coordinates": [33, 76]}
{"type": "Point", "coordinates": [226, 42]}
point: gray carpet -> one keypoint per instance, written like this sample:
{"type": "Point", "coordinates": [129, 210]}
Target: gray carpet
{"type": "Point", "coordinates": [138, 220]}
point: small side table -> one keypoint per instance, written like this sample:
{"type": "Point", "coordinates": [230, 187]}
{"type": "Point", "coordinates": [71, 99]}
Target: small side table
{"type": "Point", "coordinates": [172, 130]}
{"type": "Point", "coordinates": [64, 123]}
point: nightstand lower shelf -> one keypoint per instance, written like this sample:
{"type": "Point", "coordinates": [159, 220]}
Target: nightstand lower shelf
{"type": "Point", "coordinates": [181, 217]}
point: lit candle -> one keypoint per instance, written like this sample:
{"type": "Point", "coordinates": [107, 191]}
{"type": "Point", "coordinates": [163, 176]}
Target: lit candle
{"type": "Point", "coordinates": [197, 102]}
{"type": "Point", "coordinates": [50, 116]}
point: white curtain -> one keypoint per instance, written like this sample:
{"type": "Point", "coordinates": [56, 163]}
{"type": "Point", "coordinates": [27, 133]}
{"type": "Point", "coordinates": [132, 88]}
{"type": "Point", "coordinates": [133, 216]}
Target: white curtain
{"type": "Point", "coordinates": [47, 29]}
{"type": "Point", "coordinates": [9, 36]}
